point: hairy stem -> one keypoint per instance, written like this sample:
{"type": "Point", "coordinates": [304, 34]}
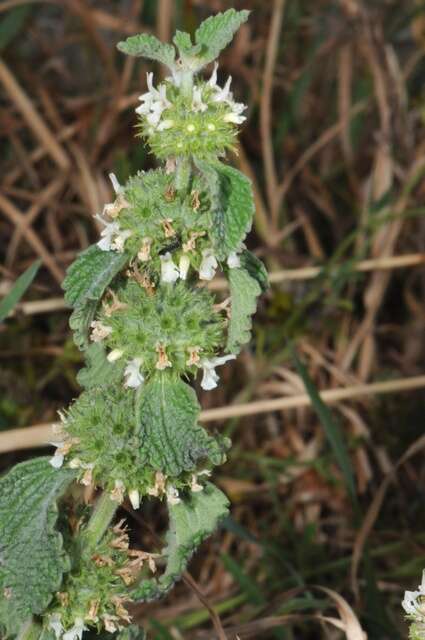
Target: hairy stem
{"type": "Point", "coordinates": [101, 519]}
{"type": "Point", "coordinates": [183, 173]}
{"type": "Point", "coordinates": [30, 631]}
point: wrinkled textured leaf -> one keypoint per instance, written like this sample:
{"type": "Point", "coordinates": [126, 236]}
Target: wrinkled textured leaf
{"type": "Point", "coordinates": [90, 274]}
{"type": "Point", "coordinates": [147, 46]}
{"type": "Point", "coordinates": [191, 522]}
{"type": "Point", "coordinates": [99, 372]}
{"type": "Point", "coordinates": [183, 41]}
{"type": "Point", "coordinates": [244, 292]}
{"type": "Point", "coordinates": [216, 32]}
{"type": "Point", "coordinates": [172, 441]}
{"type": "Point", "coordinates": [79, 322]}
{"type": "Point", "coordinates": [232, 206]}
{"type": "Point", "coordinates": [31, 552]}
{"type": "Point", "coordinates": [255, 268]}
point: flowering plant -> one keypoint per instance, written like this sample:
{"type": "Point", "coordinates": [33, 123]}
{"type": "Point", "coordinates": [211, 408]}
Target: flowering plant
{"type": "Point", "coordinates": [147, 324]}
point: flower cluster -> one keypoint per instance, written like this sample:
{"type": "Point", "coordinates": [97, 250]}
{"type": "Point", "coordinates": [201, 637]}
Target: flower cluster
{"type": "Point", "coordinates": [202, 123]}
{"type": "Point", "coordinates": [169, 327]}
{"type": "Point", "coordinates": [94, 438]}
{"type": "Point", "coordinates": [94, 593]}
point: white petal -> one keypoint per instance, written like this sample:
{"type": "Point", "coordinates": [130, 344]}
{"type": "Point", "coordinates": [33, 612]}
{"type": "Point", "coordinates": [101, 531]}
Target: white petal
{"type": "Point", "coordinates": [210, 377]}
{"type": "Point", "coordinates": [134, 496]}
{"type": "Point", "coordinates": [208, 266]}
{"type": "Point", "coordinates": [409, 603]}
{"type": "Point", "coordinates": [223, 95]}
{"type": "Point", "coordinates": [233, 261]}
{"type": "Point", "coordinates": [184, 265]}
{"type": "Point", "coordinates": [234, 118]}
{"type": "Point", "coordinates": [56, 625]}
{"type": "Point", "coordinates": [115, 184]}
{"type": "Point", "coordinates": [56, 461]}
{"type": "Point", "coordinates": [133, 374]}
{"type": "Point", "coordinates": [169, 271]}
{"type": "Point", "coordinates": [172, 495]}
{"type": "Point", "coordinates": [212, 82]}
{"type": "Point", "coordinates": [114, 355]}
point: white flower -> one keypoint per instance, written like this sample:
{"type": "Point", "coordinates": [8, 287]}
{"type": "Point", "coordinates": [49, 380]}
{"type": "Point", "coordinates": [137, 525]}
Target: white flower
{"type": "Point", "coordinates": [224, 95]}
{"type": "Point", "coordinates": [208, 266]}
{"type": "Point", "coordinates": [134, 496]}
{"type": "Point", "coordinates": [107, 234]}
{"type": "Point", "coordinates": [172, 495]}
{"type": "Point", "coordinates": [184, 264]}
{"type": "Point", "coordinates": [154, 102]}
{"type": "Point", "coordinates": [76, 632]}
{"type": "Point", "coordinates": [234, 117]}
{"type": "Point", "coordinates": [212, 82]}
{"type": "Point", "coordinates": [112, 237]}
{"type": "Point", "coordinates": [233, 260]}
{"type": "Point", "coordinates": [133, 374]}
{"type": "Point", "coordinates": [114, 355]}
{"type": "Point", "coordinates": [115, 184]}
{"type": "Point", "coordinates": [55, 624]}
{"type": "Point", "coordinates": [119, 240]}
{"type": "Point", "coordinates": [410, 601]}
{"type": "Point", "coordinates": [210, 377]}
{"type": "Point", "coordinates": [57, 460]}
{"type": "Point", "coordinates": [197, 103]}
{"type": "Point", "coordinates": [169, 270]}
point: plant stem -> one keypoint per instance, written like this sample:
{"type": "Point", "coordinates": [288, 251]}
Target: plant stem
{"type": "Point", "coordinates": [30, 631]}
{"type": "Point", "coordinates": [183, 172]}
{"type": "Point", "coordinates": [101, 518]}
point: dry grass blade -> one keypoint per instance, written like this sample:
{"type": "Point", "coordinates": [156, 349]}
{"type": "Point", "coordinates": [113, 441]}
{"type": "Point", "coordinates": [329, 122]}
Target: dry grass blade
{"type": "Point", "coordinates": [38, 436]}
{"type": "Point", "coordinates": [32, 117]}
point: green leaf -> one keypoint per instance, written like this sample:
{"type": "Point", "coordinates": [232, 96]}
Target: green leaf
{"type": "Point", "coordinates": [183, 41]}
{"type": "Point", "coordinates": [18, 290]}
{"type": "Point", "coordinates": [13, 23]}
{"type": "Point", "coordinates": [331, 427]}
{"type": "Point", "coordinates": [172, 441]}
{"type": "Point", "coordinates": [255, 268]}
{"type": "Point", "coordinates": [216, 32]}
{"type": "Point", "coordinates": [99, 372]}
{"type": "Point", "coordinates": [244, 292]}
{"type": "Point", "coordinates": [232, 206]}
{"type": "Point", "coordinates": [79, 322]}
{"type": "Point", "coordinates": [90, 274]}
{"type": "Point", "coordinates": [192, 520]}
{"type": "Point", "coordinates": [32, 557]}
{"type": "Point", "coordinates": [148, 46]}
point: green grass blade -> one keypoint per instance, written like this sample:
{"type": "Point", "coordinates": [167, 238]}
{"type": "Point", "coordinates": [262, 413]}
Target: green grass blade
{"type": "Point", "coordinates": [331, 427]}
{"type": "Point", "coordinates": [18, 290]}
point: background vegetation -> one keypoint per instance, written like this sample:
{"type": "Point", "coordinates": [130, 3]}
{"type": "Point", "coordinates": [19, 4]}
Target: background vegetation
{"type": "Point", "coordinates": [328, 503]}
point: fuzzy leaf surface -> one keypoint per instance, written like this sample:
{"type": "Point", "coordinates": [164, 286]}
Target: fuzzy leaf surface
{"type": "Point", "coordinates": [99, 372]}
{"type": "Point", "coordinates": [148, 46]}
{"type": "Point", "coordinates": [90, 274]}
{"type": "Point", "coordinates": [255, 268]}
{"type": "Point", "coordinates": [32, 557]}
{"type": "Point", "coordinates": [244, 291]}
{"type": "Point", "coordinates": [232, 206]}
{"type": "Point", "coordinates": [216, 32]}
{"type": "Point", "coordinates": [172, 441]}
{"type": "Point", "coordinates": [191, 522]}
